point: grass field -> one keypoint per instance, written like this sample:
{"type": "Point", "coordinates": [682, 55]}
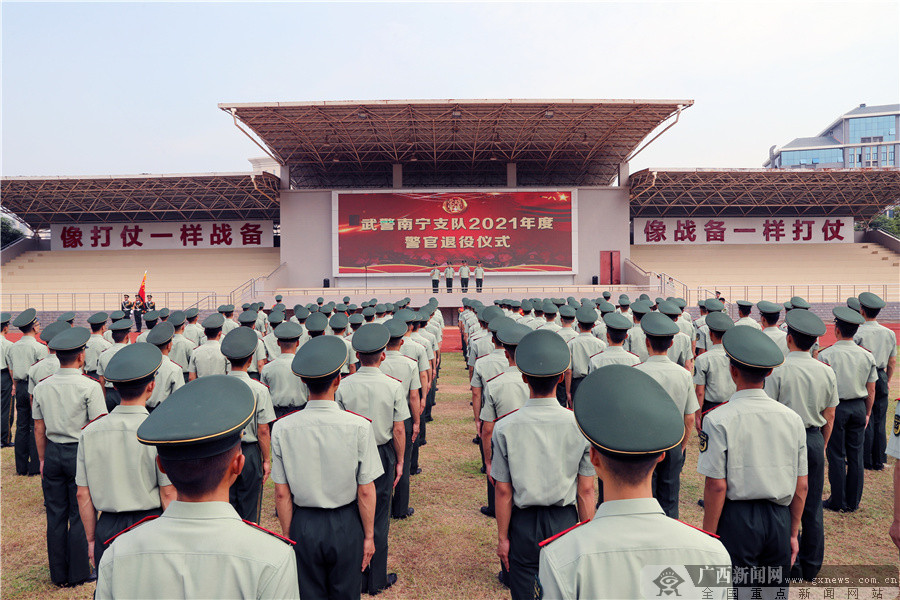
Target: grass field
{"type": "Point", "coordinates": [446, 550]}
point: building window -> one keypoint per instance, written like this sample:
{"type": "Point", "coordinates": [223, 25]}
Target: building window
{"type": "Point", "coordinates": [792, 158]}
{"type": "Point", "coordinates": [872, 127]}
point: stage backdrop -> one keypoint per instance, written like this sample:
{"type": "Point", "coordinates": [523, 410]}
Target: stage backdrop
{"type": "Point", "coordinates": [398, 233]}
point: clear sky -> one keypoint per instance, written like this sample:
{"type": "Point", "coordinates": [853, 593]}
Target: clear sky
{"type": "Point", "coordinates": [101, 88]}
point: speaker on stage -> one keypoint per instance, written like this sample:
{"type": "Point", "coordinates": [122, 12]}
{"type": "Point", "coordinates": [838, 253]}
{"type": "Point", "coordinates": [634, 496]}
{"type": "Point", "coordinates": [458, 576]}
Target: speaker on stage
{"type": "Point", "coordinates": [595, 280]}
{"type": "Point", "coordinates": [326, 283]}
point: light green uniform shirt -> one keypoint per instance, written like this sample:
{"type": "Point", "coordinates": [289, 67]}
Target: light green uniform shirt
{"type": "Point", "coordinates": [567, 334]}
{"type": "Point", "coordinates": [25, 352]}
{"type": "Point", "coordinates": [805, 385]}
{"type": "Point", "coordinates": [416, 351]}
{"type": "Point", "coordinates": [581, 348]}
{"type": "Point", "coordinates": [168, 378]}
{"type": "Point", "coordinates": [480, 344]}
{"type": "Point", "coordinates": [273, 350]}
{"type": "Point", "coordinates": [198, 550]}
{"type": "Point", "coordinates": [685, 327]}
{"type": "Point", "coordinates": [426, 341]}
{"type": "Point", "coordinates": [778, 336]}
{"type": "Point", "coordinates": [550, 325]}
{"type": "Point", "coordinates": [402, 368]}
{"type": "Point", "coordinates": [258, 355]}
{"type": "Point", "coordinates": [41, 370]}
{"type": "Point", "coordinates": [853, 368]}
{"type": "Point", "coordinates": [636, 342]}
{"type": "Point", "coordinates": [703, 340]}
{"type": "Point", "coordinates": [264, 414]}
{"type": "Point", "coordinates": [749, 322]}
{"type": "Point", "coordinates": [435, 274]}
{"type": "Point", "coordinates": [487, 367]}
{"type": "Point", "coordinates": [680, 352]}
{"type": "Point", "coordinates": [228, 325]}
{"type": "Point", "coordinates": [613, 355]}
{"type": "Point", "coordinates": [540, 451]}
{"type": "Point", "coordinates": [193, 332]}
{"type": "Point", "coordinates": [104, 359]}
{"type": "Point", "coordinates": [599, 331]}
{"type": "Point", "coordinates": [712, 369]}
{"type": "Point", "coordinates": [92, 350]}
{"type": "Point", "coordinates": [503, 394]}
{"type": "Point", "coordinates": [757, 445]}
{"type": "Point", "coordinates": [180, 354]}
{"type": "Point", "coordinates": [5, 345]}
{"type": "Point", "coordinates": [877, 339]}
{"type": "Point", "coordinates": [120, 472]}
{"type": "Point", "coordinates": [893, 445]}
{"type": "Point", "coordinates": [208, 360]}
{"type": "Point", "coordinates": [285, 388]}
{"type": "Point", "coordinates": [674, 379]}
{"type": "Point", "coordinates": [323, 453]}
{"type": "Point", "coordinates": [67, 401]}
{"type": "Point", "coordinates": [479, 273]}
{"type": "Point", "coordinates": [605, 557]}
{"type": "Point", "coordinates": [375, 396]}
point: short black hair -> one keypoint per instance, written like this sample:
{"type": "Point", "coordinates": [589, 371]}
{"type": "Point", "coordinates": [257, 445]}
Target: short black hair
{"type": "Point", "coordinates": [716, 336]}
{"type": "Point", "coordinates": [629, 471]}
{"type": "Point", "coordinates": [119, 335]}
{"type": "Point", "coordinates": [237, 363]}
{"type": "Point", "coordinates": [27, 328]}
{"type": "Point", "coordinates": [197, 477]}
{"type": "Point", "coordinates": [395, 343]}
{"type": "Point", "coordinates": [771, 319]}
{"type": "Point", "coordinates": [542, 385]}
{"type": "Point", "coordinates": [803, 341]}
{"type": "Point", "coordinates": [287, 343]}
{"type": "Point", "coordinates": [67, 357]}
{"type": "Point", "coordinates": [211, 332]}
{"type": "Point", "coordinates": [368, 359]}
{"type": "Point", "coordinates": [659, 343]}
{"type": "Point", "coordinates": [320, 385]}
{"type": "Point", "coordinates": [744, 311]}
{"type": "Point", "coordinates": [870, 313]}
{"type": "Point", "coordinates": [95, 327]}
{"type": "Point", "coordinates": [754, 375]}
{"type": "Point", "coordinates": [585, 326]}
{"type": "Point", "coordinates": [617, 336]}
{"type": "Point", "coordinates": [847, 330]}
{"type": "Point", "coordinates": [511, 348]}
{"type": "Point", "coordinates": [129, 390]}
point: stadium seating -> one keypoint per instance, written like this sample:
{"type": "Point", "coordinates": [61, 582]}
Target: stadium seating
{"type": "Point", "coordinates": [217, 271]}
{"type": "Point", "coordinates": [819, 271]}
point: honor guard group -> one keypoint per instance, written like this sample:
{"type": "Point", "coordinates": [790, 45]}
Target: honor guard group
{"type": "Point", "coordinates": [153, 453]}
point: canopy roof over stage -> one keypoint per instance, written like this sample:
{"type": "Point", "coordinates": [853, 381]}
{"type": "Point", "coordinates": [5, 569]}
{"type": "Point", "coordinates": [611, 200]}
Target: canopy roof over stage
{"type": "Point", "coordinates": [179, 197]}
{"type": "Point", "coordinates": [443, 143]}
{"type": "Point", "coordinates": [860, 193]}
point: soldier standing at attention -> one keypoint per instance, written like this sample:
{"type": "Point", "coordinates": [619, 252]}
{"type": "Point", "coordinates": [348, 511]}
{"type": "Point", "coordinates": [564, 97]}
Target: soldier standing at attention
{"type": "Point", "coordinates": [139, 307]}
{"type": "Point", "coordinates": [21, 356]}
{"type": "Point", "coordinates": [681, 352]}
{"type": "Point", "coordinates": [248, 319]}
{"type": "Point", "coordinates": [854, 369]}
{"type": "Point", "coordinates": [47, 366]}
{"type": "Point", "coordinates": [245, 495]}
{"type": "Point", "coordinates": [406, 369]}
{"type": "Point", "coordinates": [882, 343]}
{"type": "Point", "coordinates": [744, 308]}
{"type": "Point", "coordinates": [379, 397]}
{"type": "Point", "coordinates": [604, 558]}
{"type": "Point", "coordinates": [489, 365]}
{"type": "Point", "coordinates": [637, 340]}
{"type": "Point", "coordinates": [504, 394]}
{"type": "Point", "coordinates": [116, 315]}
{"type": "Point", "coordinates": [181, 346]}
{"type": "Point", "coordinates": [809, 388]}
{"type": "Point", "coordinates": [769, 315]}
{"type": "Point", "coordinates": [618, 328]}
{"type": "Point", "coordinates": [677, 382]}
{"type": "Point", "coordinates": [581, 349]}
{"type": "Point", "coordinates": [698, 323]}
{"type": "Point", "coordinates": [624, 307]}
{"type": "Point", "coordinates": [448, 277]}
{"type": "Point", "coordinates": [168, 377]}
{"type": "Point", "coordinates": [6, 383]}
{"type": "Point", "coordinates": [63, 404]}
{"type": "Point", "coordinates": [199, 547]}
{"type": "Point", "coordinates": [96, 345]}
{"type": "Point", "coordinates": [120, 330]}
{"type": "Point", "coordinates": [150, 319]}
{"type": "Point", "coordinates": [712, 375]}
{"type": "Point", "coordinates": [479, 276]}
{"type": "Point", "coordinates": [754, 493]}
{"type": "Point", "coordinates": [275, 319]}
{"type": "Point", "coordinates": [192, 331]}
{"type": "Point", "coordinates": [208, 358]}
{"type": "Point", "coordinates": [288, 395]}
{"type": "Point", "coordinates": [335, 522]}
{"type": "Point", "coordinates": [114, 473]}
{"type": "Point", "coordinates": [151, 305]}
{"type": "Point", "coordinates": [464, 277]}
{"type": "Point", "coordinates": [540, 464]}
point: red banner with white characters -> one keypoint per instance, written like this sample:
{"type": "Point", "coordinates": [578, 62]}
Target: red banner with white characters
{"type": "Point", "coordinates": [516, 232]}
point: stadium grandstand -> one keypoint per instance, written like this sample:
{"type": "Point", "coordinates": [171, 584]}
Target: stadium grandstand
{"type": "Point", "coordinates": [366, 196]}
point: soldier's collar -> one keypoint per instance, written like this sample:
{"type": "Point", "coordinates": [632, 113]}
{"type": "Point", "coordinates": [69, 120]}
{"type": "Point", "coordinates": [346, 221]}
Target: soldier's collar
{"type": "Point", "coordinates": [542, 402]}
{"type": "Point", "coordinates": [632, 506]}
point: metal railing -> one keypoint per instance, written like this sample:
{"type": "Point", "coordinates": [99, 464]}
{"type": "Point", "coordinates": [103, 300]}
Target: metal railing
{"type": "Point", "coordinates": [835, 292]}
{"type": "Point", "coordinates": [94, 301]}
{"type": "Point", "coordinates": [252, 288]}
{"type": "Point", "coordinates": [494, 291]}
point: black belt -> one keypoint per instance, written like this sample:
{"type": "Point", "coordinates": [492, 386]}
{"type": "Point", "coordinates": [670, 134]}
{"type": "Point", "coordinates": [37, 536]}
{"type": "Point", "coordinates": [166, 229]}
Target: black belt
{"type": "Point", "coordinates": [325, 510]}
{"type": "Point", "coordinates": [4, 370]}
{"type": "Point", "coordinates": [813, 429]}
{"type": "Point", "coordinates": [65, 444]}
{"type": "Point", "coordinates": [250, 443]}
{"type": "Point", "coordinates": [854, 399]}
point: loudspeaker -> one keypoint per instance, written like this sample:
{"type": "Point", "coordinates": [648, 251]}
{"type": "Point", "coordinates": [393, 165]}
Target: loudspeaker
{"type": "Point", "coordinates": [326, 283]}
{"type": "Point", "coordinates": [595, 280]}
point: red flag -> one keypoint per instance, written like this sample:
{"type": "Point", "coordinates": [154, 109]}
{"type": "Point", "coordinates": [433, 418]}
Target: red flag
{"type": "Point", "coordinates": [141, 292]}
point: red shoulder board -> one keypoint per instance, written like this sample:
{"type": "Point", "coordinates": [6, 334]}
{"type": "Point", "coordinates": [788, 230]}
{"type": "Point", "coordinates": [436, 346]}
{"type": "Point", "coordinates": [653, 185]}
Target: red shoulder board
{"type": "Point", "coordinates": [506, 415]}
{"type": "Point", "coordinates": [272, 533]}
{"type": "Point", "coordinates": [714, 407]}
{"type": "Point", "coordinates": [394, 378]}
{"type": "Point", "coordinates": [698, 529]}
{"type": "Point", "coordinates": [358, 415]}
{"type": "Point", "coordinates": [47, 377]}
{"type": "Point", "coordinates": [141, 522]}
{"type": "Point", "coordinates": [633, 354]}
{"type": "Point", "coordinates": [94, 419]}
{"type": "Point", "coordinates": [410, 358]}
{"type": "Point", "coordinates": [495, 376]}
{"type": "Point", "coordinates": [560, 534]}
{"type": "Point", "coordinates": [864, 348]}
{"type": "Point", "coordinates": [289, 414]}
{"type": "Point", "coordinates": [482, 356]}
{"type": "Point", "coordinates": [595, 354]}
{"type": "Point", "coordinates": [176, 364]}
{"type": "Point", "coordinates": [640, 363]}
{"type": "Point", "coordinates": [91, 378]}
